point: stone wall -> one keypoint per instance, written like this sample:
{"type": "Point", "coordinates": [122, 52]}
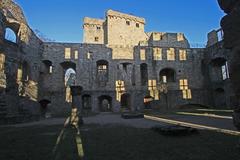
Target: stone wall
{"type": "Point", "coordinates": [20, 95]}
{"type": "Point", "coordinates": [123, 56]}
{"type": "Point", "coordinates": [93, 31]}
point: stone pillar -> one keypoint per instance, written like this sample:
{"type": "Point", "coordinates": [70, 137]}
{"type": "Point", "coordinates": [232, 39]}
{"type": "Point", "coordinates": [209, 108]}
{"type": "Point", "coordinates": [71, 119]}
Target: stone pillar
{"type": "Point", "coordinates": [231, 28]}
{"type": "Point", "coordinates": [76, 92]}
{"type": "Point", "coordinates": [76, 115]}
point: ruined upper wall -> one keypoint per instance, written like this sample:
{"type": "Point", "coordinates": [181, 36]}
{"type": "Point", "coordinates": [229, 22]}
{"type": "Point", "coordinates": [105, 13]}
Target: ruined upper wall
{"type": "Point", "coordinates": [92, 21]}
{"type": "Point", "coordinates": [162, 39]}
{"type": "Point", "coordinates": [12, 10]}
{"type": "Point", "coordinates": [1, 28]}
{"type": "Point", "coordinates": [126, 16]}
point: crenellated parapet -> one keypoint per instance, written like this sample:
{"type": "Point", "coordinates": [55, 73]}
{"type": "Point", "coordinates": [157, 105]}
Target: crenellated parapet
{"type": "Point", "coordinates": [119, 15]}
{"type": "Point", "coordinates": [92, 21]}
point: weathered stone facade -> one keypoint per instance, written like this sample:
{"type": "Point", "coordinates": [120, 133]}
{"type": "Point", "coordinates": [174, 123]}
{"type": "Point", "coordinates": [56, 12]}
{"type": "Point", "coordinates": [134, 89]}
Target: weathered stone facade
{"type": "Point", "coordinates": [118, 65]}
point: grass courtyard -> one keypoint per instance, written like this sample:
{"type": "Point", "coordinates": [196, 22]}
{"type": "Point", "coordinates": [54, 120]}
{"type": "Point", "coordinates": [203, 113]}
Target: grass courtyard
{"type": "Point", "coordinates": [113, 142]}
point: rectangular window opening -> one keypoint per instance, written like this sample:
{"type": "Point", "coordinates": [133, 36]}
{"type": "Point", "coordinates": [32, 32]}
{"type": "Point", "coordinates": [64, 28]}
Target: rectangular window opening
{"type": "Point", "coordinates": [67, 53]}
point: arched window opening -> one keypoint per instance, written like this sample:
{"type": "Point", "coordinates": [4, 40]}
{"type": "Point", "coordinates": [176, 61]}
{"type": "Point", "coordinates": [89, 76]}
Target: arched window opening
{"type": "Point", "coordinates": [47, 67]}
{"type": "Point", "coordinates": [70, 80]}
{"type": "Point", "coordinates": [167, 75]}
{"type": "Point", "coordinates": [144, 74]}
{"type": "Point", "coordinates": [102, 72]}
{"type": "Point", "coordinates": [219, 69]}
{"type": "Point", "coordinates": [10, 35]}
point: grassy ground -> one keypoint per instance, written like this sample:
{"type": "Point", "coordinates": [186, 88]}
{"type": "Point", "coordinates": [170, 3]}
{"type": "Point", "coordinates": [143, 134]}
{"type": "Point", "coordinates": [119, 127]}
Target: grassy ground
{"type": "Point", "coordinates": [112, 142]}
{"type": "Point", "coordinates": [37, 143]}
{"type": "Point", "coordinates": [118, 143]}
{"type": "Point", "coordinates": [202, 111]}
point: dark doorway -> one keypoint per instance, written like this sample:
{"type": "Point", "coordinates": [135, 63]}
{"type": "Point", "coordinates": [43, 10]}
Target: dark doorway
{"type": "Point", "coordinates": [167, 75]}
{"type": "Point", "coordinates": [105, 103]}
{"type": "Point", "coordinates": [126, 101]}
{"type": "Point", "coordinates": [86, 102]}
{"type": "Point", "coordinates": [44, 106]}
{"type": "Point", "coordinates": [144, 74]}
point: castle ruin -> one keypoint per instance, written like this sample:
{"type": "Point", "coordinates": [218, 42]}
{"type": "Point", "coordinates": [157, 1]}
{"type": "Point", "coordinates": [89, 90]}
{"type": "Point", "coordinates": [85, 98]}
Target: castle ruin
{"type": "Point", "coordinates": [119, 66]}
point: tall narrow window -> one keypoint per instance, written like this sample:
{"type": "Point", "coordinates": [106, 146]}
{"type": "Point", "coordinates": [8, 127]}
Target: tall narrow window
{"type": "Point", "coordinates": [171, 54]}
{"type": "Point", "coordinates": [152, 87]}
{"type": "Point", "coordinates": [144, 74]}
{"type": "Point", "coordinates": [183, 85]}
{"type": "Point", "coordinates": [128, 23]}
{"type": "Point", "coordinates": [67, 53]}
{"type": "Point", "coordinates": [76, 54]}
{"type": "Point", "coordinates": [157, 53]}
{"type": "Point", "coordinates": [50, 69]}
{"type": "Point", "coordinates": [225, 73]}
{"type": "Point", "coordinates": [120, 89]}
{"type": "Point", "coordinates": [142, 54]}
{"type": "Point", "coordinates": [137, 25]}
{"type": "Point", "coordinates": [89, 55]}
{"type": "Point", "coordinates": [102, 72]}
{"type": "Point", "coordinates": [2, 62]}
{"type": "Point", "coordinates": [182, 55]}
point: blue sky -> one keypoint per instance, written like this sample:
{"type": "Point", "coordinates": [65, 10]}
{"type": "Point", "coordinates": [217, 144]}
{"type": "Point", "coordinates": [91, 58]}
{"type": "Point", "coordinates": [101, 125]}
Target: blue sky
{"type": "Point", "coordinates": [61, 20]}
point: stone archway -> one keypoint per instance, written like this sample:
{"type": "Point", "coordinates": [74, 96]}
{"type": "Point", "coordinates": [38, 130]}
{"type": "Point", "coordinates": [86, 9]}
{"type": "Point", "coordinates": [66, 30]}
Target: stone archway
{"type": "Point", "coordinates": [167, 75]}
{"type": "Point", "coordinates": [105, 103]}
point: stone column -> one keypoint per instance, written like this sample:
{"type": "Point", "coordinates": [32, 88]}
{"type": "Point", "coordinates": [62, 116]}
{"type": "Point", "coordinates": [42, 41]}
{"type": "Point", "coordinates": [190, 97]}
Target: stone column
{"type": "Point", "coordinates": [76, 115]}
{"type": "Point", "coordinates": [231, 28]}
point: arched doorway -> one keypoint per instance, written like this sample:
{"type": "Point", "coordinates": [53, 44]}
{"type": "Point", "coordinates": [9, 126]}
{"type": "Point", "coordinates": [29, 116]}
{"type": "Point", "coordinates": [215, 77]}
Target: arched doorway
{"type": "Point", "coordinates": [167, 75]}
{"type": "Point", "coordinates": [86, 102]}
{"type": "Point", "coordinates": [126, 101]}
{"type": "Point", "coordinates": [44, 106]}
{"type": "Point", "coordinates": [105, 103]}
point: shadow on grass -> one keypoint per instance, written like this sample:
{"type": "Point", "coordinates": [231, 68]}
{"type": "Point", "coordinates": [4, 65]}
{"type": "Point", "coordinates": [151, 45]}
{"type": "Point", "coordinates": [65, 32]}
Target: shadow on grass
{"type": "Point", "coordinates": [119, 142]}
{"type": "Point", "coordinates": [38, 143]}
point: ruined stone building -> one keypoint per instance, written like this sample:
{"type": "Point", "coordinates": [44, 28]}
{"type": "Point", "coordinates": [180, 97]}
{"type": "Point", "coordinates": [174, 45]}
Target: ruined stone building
{"type": "Point", "coordinates": [119, 66]}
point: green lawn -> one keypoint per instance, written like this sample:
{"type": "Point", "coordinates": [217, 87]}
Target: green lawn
{"type": "Point", "coordinates": [37, 143]}
{"type": "Point", "coordinates": [113, 142]}
{"type": "Point", "coordinates": [125, 143]}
